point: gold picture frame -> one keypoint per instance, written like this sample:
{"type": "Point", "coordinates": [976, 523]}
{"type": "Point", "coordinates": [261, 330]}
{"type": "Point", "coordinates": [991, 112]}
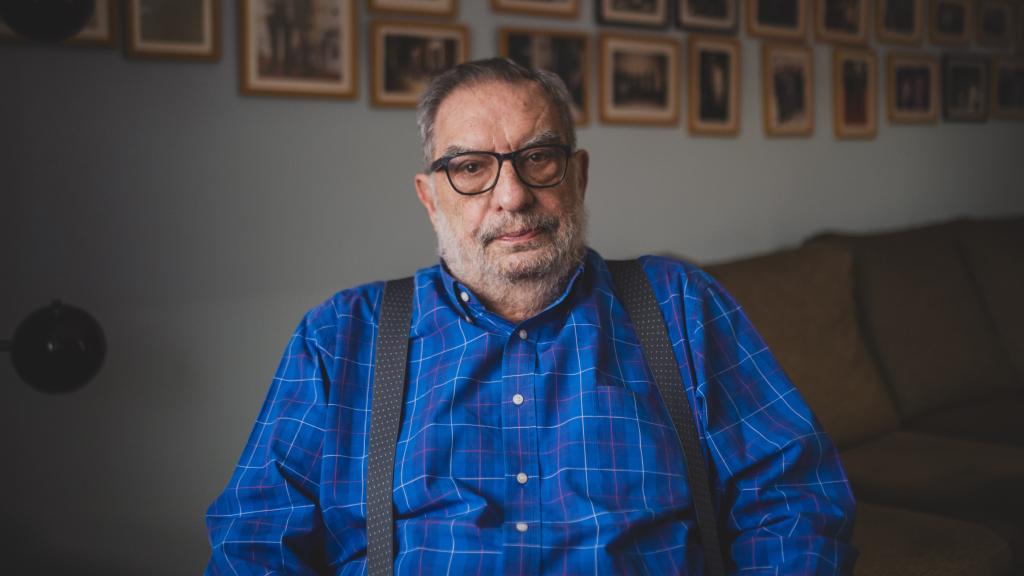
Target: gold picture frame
{"type": "Point", "coordinates": [658, 17]}
{"type": "Point", "coordinates": [854, 96]}
{"type": "Point", "coordinates": [689, 19]}
{"type": "Point", "coordinates": [891, 21]}
{"type": "Point", "coordinates": [912, 89]}
{"type": "Point", "coordinates": [551, 8]}
{"type": "Point", "coordinates": [440, 8]}
{"type": "Point", "coordinates": [714, 79]}
{"type": "Point", "coordinates": [169, 29]}
{"type": "Point", "coordinates": [638, 79]}
{"type": "Point", "coordinates": [328, 69]}
{"type": "Point", "coordinates": [786, 20]}
{"type": "Point", "coordinates": [834, 22]}
{"type": "Point", "coordinates": [949, 22]}
{"type": "Point", "coordinates": [564, 52]}
{"type": "Point", "coordinates": [405, 55]}
{"type": "Point", "coordinates": [787, 74]}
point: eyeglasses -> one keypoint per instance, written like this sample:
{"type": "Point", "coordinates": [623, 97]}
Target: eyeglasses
{"type": "Point", "coordinates": [472, 173]}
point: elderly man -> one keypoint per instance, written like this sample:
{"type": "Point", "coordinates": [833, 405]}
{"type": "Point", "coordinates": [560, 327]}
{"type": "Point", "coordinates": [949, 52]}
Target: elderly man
{"type": "Point", "coordinates": [532, 438]}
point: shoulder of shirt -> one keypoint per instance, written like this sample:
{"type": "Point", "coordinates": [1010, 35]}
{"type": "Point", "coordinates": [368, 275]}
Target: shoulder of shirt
{"type": "Point", "coordinates": [676, 274]}
{"type": "Point", "coordinates": [355, 306]}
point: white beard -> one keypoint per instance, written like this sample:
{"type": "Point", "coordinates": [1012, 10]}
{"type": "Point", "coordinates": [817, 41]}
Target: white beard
{"type": "Point", "coordinates": [533, 271]}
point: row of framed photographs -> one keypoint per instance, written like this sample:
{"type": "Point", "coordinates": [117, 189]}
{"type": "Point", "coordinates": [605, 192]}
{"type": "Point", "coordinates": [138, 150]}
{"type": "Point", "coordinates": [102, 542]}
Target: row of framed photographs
{"type": "Point", "coordinates": [638, 84]}
{"type": "Point", "coordinates": [994, 23]}
{"type": "Point", "coordinates": [285, 51]}
{"type": "Point", "coordinates": [174, 28]}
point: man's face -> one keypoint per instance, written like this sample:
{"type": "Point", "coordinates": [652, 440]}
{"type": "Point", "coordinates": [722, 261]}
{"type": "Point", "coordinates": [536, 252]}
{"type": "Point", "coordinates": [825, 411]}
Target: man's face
{"type": "Point", "coordinates": [512, 232]}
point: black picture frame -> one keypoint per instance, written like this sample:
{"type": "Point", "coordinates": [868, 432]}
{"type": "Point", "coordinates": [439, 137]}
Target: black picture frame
{"type": "Point", "coordinates": [965, 87]}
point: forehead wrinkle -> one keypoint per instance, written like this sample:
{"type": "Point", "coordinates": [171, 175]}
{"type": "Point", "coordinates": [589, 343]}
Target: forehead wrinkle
{"type": "Point", "coordinates": [482, 117]}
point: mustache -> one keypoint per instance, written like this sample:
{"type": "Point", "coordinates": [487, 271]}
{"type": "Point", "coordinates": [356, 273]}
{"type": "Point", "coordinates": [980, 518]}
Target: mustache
{"type": "Point", "coordinates": [510, 224]}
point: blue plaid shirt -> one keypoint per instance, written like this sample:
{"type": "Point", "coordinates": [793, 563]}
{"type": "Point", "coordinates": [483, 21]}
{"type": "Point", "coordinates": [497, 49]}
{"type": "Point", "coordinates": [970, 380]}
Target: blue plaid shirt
{"type": "Point", "coordinates": [535, 448]}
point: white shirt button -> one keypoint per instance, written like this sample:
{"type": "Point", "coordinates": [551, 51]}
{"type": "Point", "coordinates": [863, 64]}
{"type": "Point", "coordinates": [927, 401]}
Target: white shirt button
{"type": "Point", "coordinates": [518, 399]}
{"type": "Point", "coordinates": [522, 527]}
{"type": "Point", "coordinates": [523, 334]}
{"type": "Point", "coordinates": [522, 478]}
{"type": "Point", "coordinates": [464, 295]}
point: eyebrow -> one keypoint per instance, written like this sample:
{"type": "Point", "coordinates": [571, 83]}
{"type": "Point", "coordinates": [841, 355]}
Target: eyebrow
{"type": "Point", "coordinates": [544, 138]}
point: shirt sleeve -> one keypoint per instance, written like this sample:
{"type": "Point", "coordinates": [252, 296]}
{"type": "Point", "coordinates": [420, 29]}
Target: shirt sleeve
{"type": "Point", "coordinates": [784, 501]}
{"type": "Point", "coordinates": [267, 519]}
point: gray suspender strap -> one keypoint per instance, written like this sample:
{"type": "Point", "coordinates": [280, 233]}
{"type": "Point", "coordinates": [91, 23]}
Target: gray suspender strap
{"type": "Point", "coordinates": [634, 289]}
{"type": "Point", "coordinates": [385, 418]}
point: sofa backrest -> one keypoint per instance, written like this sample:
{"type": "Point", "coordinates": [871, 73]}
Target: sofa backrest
{"type": "Point", "coordinates": [801, 302]}
{"type": "Point", "coordinates": [994, 253]}
{"type": "Point", "coordinates": [923, 318]}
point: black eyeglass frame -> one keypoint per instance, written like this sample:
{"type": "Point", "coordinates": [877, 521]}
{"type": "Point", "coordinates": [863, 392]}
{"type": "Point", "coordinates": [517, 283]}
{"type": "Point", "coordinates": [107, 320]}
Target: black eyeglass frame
{"type": "Point", "coordinates": [442, 163]}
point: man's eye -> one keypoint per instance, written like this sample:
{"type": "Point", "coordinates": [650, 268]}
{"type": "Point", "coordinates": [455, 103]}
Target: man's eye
{"type": "Point", "coordinates": [468, 168]}
{"type": "Point", "coordinates": [539, 157]}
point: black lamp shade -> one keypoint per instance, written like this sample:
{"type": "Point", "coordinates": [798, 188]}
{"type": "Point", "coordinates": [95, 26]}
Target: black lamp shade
{"type": "Point", "coordinates": [46, 20]}
{"type": "Point", "coordinates": [58, 348]}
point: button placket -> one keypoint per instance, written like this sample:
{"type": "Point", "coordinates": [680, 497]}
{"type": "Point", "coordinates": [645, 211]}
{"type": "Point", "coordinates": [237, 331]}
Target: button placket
{"type": "Point", "coordinates": [522, 493]}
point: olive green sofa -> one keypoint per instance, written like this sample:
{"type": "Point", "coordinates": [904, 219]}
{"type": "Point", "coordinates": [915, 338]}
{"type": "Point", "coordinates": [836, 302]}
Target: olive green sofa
{"type": "Point", "coordinates": [909, 347]}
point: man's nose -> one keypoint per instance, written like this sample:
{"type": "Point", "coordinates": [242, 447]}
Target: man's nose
{"type": "Point", "coordinates": [510, 193]}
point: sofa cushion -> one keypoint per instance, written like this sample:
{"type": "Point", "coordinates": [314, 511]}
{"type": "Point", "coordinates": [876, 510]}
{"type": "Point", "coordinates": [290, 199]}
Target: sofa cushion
{"type": "Point", "coordinates": [924, 320]}
{"type": "Point", "coordinates": [944, 476]}
{"type": "Point", "coordinates": [994, 253]}
{"type": "Point", "coordinates": [801, 301]}
{"type": "Point", "coordinates": [895, 542]}
{"type": "Point", "coordinates": [996, 420]}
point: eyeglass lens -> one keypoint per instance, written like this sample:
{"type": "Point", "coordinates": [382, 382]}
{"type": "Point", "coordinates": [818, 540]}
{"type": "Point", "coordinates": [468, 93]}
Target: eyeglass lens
{"type": "Point", "coordinates": [540, 166]}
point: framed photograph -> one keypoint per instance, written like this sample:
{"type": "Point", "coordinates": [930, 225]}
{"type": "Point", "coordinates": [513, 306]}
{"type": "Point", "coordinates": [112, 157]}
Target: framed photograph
{"type": "Point", "coordinates": [1008, 88]}
{"type": "Point", "coordinates": [562, 52]}
{"type": "Point", "coordinates": [648, 13]}
{"type": "Point", "coordinates": [900, 21]}
{"type": "Point", "coordinates": [965, 86]}
{"type": "Point", "coordinates": [841, 21]}
{"type": "Point", "coordinates": [99, 31]}
{"type": "Point", "coordinates": [556, 8]}
{"type": "Point", "coordinates": [445, 8]}
{"type": "Point", "coordinates": [995, 23]}
{"type": "Point", "coordinates": [188, 29]}
{"type": "Point", "coordinates": [707, 15]}
{"type": "Point", "coordinates": [295, 53]}
{"type": "Point", "coordinates": [714, 85]}
{"type": "Point", "coordinates": [407, 54]}
{"type": "Point", "coordinates": [783, 19]}
{"type": "Point", "coordinates": [854, 113]}
{"type": "Point", "coordinates": [788, 74]}
{"type": "Point", "coordinates": [950, 22]}
{"type": "Point", "coordinates": [639, 80]}
{"type": "Point", "coordinates": [912, 88]}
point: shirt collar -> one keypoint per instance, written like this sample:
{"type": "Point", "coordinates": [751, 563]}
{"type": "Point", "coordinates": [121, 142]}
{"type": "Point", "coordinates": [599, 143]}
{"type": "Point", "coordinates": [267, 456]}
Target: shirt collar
{"type": "Point", "coordinates": [470, 308]}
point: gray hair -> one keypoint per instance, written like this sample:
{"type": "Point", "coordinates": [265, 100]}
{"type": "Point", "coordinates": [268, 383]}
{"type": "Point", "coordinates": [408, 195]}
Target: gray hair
{"type": "Point", "coordinates": [489, 70]}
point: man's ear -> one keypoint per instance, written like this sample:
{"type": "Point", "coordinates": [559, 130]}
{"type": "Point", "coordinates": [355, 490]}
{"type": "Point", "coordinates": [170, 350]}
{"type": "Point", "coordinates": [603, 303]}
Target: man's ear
{"type": "Point", "coordinates": [426, 193]}
{"type": "Point", "coordinates": [582, 171]}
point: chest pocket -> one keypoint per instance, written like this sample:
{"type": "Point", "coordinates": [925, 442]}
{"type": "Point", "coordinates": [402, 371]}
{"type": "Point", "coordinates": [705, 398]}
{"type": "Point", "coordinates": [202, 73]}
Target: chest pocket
{"type": "Point", "coordinates": [631, 441]}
